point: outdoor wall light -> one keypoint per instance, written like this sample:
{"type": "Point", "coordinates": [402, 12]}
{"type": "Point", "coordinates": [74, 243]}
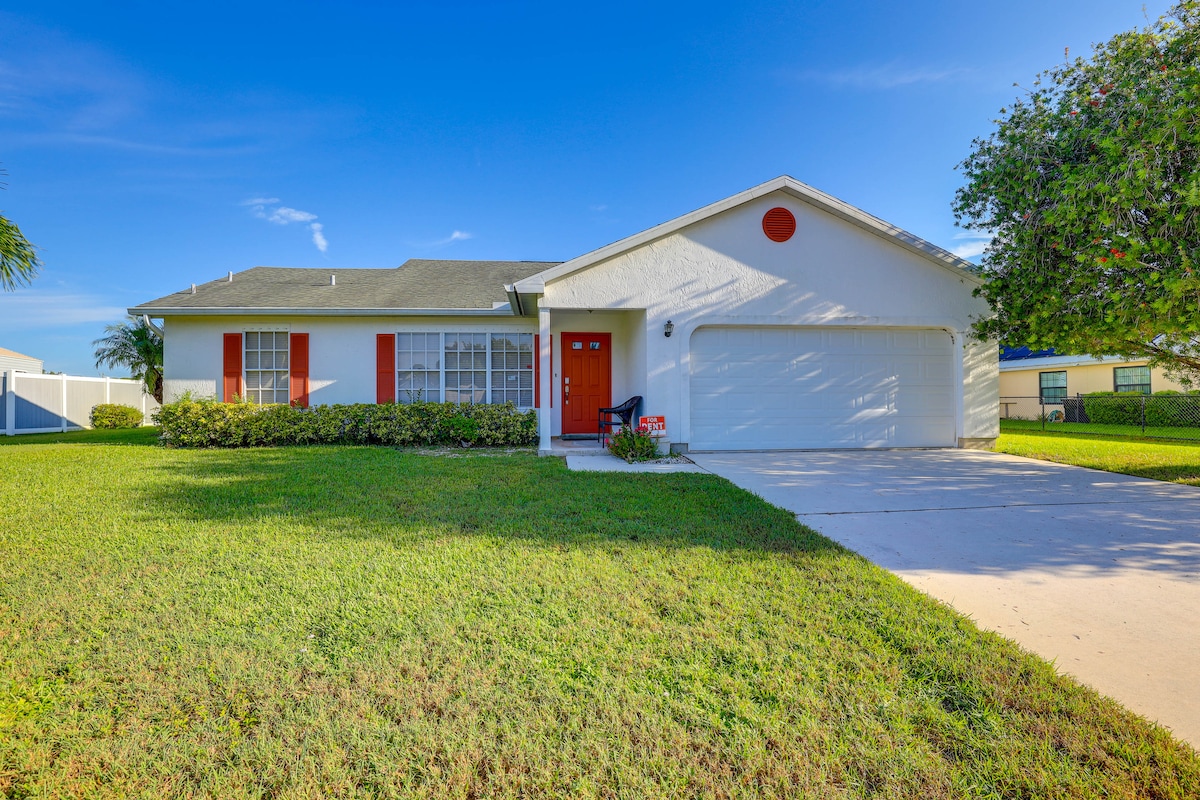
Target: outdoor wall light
{"type": "Point", "coordinates": [668, 329]}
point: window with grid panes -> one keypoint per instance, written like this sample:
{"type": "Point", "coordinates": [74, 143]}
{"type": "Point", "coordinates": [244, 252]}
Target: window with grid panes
{"type": "Point", "coordinates": [419, 367]}
{"type": "Point", "coordinates": [1131, 379]}
{"type": "Point", "coordinates": [1053, 386]}
{"type": "Point", "coordinates": [266, 366]}
{"type": "Point", "coordinates": [512, 368]}
{"type": "Point", "coordinates": [466, 365]}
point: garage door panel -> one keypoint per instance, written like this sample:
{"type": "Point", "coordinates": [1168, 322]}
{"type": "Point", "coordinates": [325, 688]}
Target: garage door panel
{"type": "Point", "coordinates": [780, 388]}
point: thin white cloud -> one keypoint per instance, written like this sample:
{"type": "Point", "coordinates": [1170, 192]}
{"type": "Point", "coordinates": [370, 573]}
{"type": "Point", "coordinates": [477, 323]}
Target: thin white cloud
{"type": "Point", "coordinates": [38, 308]}
{"type": "Point", "coordinates": [268, 208]}
{"type": "Point", "coordinates": [284, 215]}
{"type": "Point", "coordinates": [880, 76]}
{"type": "Point", "coordinates": [456, 236]}
{"type": "Point", "coordinates": [318, 237]}
{"type": "Point", "coordinates": [970, 249]}
{"type": "Point", "coordinates": [598, 208]}
{"type": "Point", "coordinates": [973, 243]}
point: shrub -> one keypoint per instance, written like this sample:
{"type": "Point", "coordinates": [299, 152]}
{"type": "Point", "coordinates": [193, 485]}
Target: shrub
{"type": "Point", "coordinates": [1114, 408]}
{"type": "Point", "coordinates": [112, 415]}
{"type": "Point", "coordinates": [634, 444]}
{"type": "Point", "coordinates": [1171, 409]}
{"type": "Point", "coordinates": [208, 423]}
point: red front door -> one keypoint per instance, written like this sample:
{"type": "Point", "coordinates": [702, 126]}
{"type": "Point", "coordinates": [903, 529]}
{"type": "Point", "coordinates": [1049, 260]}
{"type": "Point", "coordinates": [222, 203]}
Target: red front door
{"type": "Point", "coordinates": [586, 380]}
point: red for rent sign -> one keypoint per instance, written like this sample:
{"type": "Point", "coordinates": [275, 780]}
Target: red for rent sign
{"type": "Point", "coordinates": [657, 425]}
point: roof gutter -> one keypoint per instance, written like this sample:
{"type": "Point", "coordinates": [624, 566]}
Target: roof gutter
{"type": "Point", "coordinates": [514, 300]}
{"type": "Point", "coordinates": [152, 326]}
{"type": "Point", "coordinates": [216, 311]}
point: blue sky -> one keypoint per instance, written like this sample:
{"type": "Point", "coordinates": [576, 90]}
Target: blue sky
{"type": "Point", "coordinates": [153, 145]}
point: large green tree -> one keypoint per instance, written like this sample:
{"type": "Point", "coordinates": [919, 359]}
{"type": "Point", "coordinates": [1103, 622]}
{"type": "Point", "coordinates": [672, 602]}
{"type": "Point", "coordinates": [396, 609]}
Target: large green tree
{"type": "Point", "coordinates": [1090, 187]}
{"type": "Point", "coordinates": [18, 258]}
{"type": "Point", "coordinates": [135, 345]}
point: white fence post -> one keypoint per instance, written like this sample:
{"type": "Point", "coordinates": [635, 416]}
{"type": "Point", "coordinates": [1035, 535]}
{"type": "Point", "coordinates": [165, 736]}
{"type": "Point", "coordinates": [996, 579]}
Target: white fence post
{"type": "Point", "coordinates": [63, 408]}
{"type": "Point", "coordinates": [10, 402]}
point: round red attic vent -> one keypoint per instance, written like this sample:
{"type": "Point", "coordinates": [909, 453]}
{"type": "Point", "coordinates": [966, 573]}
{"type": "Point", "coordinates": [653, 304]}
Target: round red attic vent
{"type": "Point", "coordinates": [779, 224]}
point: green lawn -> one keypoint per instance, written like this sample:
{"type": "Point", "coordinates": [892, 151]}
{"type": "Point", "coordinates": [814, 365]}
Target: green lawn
{"type": "Point", "coordinates": [1096, 429]}
{"type": "Point", "coordinates": [358, 622]}
{"type": "Point", "coordinates": [1164, 461]}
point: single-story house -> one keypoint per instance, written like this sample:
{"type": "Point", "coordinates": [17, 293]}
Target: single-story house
{"type": "Point", "coordinates": [778, 318]}
{"type": "Point", "coordinates": [12, 360]}
{"type": "Point", "coordinates": [1031, 379]}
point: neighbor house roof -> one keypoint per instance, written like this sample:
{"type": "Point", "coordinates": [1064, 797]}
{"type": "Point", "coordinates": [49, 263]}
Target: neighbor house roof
{"type": "Point", "coordinates": [416, 285]}
{"type": "Point", "coordinates": [801, 191]}
{"type": "Point", "coordinates": [14, 354]}
{"type": "Point", "coordinates": [1023, 353]}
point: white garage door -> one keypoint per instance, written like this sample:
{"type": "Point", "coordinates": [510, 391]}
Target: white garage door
{"type": "Point", "coordinates": [772, 388]}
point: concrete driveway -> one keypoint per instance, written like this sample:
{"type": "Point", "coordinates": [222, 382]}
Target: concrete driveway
{"type": "Point", "coordinates": [1096, 571]}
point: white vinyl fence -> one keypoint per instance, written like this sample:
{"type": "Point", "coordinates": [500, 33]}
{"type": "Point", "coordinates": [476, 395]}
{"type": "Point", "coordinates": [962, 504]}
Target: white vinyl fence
{"type": "Point", "coordinates": [31, 403]}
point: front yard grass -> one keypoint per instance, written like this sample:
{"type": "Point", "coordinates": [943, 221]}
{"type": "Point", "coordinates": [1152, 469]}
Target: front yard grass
{"type": "Point", "coordinates": [1164, 461]}
{"type": "Point", "coordinates": [358, 622]}
{"type": "Point", "coordinates": [1097, 429]}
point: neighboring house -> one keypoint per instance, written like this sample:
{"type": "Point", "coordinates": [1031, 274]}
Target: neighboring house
{"type": "Point", "coordinates": [1044, 377]}
{"type": "Point", "coordinates": [777, 318]}
{"type": "Point", "coordinates": [10, 359]}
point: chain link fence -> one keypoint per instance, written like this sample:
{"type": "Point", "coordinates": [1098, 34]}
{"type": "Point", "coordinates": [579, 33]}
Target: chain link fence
{"type": "Point", "coordinates": [1168, 415]}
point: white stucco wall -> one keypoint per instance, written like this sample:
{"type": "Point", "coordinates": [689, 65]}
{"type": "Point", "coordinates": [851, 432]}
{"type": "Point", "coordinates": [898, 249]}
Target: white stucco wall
{"type": "Point", "coordinates": [724, 270]}
{"type": "Point", "coordinates": [341, 349]}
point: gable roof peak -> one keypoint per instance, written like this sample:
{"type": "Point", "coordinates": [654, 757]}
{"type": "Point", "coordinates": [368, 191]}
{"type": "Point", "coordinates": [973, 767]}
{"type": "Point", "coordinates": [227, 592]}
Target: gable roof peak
{"type": "Point", "coordinates": [535, 284]}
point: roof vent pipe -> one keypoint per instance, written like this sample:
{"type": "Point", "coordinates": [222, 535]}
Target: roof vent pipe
{"type": "Point", "coordinates": [231, 276]}
{"type": "Point", "coordinates": [193, 288]}
{"type": "Point", "coordinates": [333, 280]}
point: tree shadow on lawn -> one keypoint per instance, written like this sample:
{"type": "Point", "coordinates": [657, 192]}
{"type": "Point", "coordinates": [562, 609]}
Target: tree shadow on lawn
{"type": "Point", "coordinates": [146, 435]}
{"type": "Point", "coordinates": [372, 491]}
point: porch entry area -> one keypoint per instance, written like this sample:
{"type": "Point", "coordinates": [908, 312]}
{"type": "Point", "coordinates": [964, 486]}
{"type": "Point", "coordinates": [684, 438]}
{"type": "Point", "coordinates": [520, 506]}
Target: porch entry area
{"type": "Point", "coordinates": [586, 381]}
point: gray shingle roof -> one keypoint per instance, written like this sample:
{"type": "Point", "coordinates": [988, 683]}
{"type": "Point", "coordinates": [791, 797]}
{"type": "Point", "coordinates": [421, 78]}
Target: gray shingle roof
{"type": "Point", "coordinates": [415, 284]}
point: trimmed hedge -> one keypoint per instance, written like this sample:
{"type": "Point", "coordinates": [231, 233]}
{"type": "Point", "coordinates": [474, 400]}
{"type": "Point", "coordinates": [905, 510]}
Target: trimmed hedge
{"type": "Point", "coordinates": [1113, 408]}
{"type": "Point", "coordinates": [112, 415]}
{"type": "Point", "coordinates": [1172, 409]}
{"type": "Point", "coordinates": [207, 423]}
{"type": "Point", "coordinates": [1165, 409]}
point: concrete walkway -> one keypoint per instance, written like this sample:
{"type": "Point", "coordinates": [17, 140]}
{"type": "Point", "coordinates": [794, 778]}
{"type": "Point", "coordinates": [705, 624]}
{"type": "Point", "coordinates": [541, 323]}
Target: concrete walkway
{"type": "Point", "coordinates": [1096, 571]}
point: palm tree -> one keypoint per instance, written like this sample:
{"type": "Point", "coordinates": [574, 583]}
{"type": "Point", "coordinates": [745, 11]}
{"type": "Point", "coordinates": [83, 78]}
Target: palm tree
{"type": "Point", "coordinates": [135, 345]}
{"type": "Point", "coordinates": [18, 259]}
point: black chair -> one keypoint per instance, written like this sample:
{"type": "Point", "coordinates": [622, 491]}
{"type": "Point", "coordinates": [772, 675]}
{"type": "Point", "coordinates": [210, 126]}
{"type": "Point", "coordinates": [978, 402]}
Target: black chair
{"type": "Point", "coordinates": [624, 417]}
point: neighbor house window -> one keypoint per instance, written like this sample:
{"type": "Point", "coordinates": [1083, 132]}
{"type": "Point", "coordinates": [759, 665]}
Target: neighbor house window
{"type": "Point", "coordinates": [419, 367]}
{"type": "Point", "coordinates": [266, 366]}
{"type": "Point", "coordinates": [1131, 379]}
{"type": "Point", "coordinates": [465, 368]}
{"type": "Point", "coordinates": [1053, 386]}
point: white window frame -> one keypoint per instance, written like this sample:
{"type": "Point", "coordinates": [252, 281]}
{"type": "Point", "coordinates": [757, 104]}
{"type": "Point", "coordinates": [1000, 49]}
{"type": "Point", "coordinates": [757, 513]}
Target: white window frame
{"type": "Point", "coordinates": [489, 360]}
{"type": "Point", "coordinates": [408, 395]}
{"type": "Point", "coordinates": [275, 370]}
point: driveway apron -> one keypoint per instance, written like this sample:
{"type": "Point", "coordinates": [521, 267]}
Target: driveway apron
{"type": "Point", "coordinates": [1097, 572]}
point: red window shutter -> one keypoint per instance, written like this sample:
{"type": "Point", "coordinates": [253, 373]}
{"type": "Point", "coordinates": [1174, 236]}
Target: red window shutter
{"type": "Point", "coordinates": [298, 384]}
{"type": "Point", "coordinates": [537, 370]}
{"type": "Point", "coordinates": [385, 368]}
{"type": "Point", "coordinates": [231, 383]}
